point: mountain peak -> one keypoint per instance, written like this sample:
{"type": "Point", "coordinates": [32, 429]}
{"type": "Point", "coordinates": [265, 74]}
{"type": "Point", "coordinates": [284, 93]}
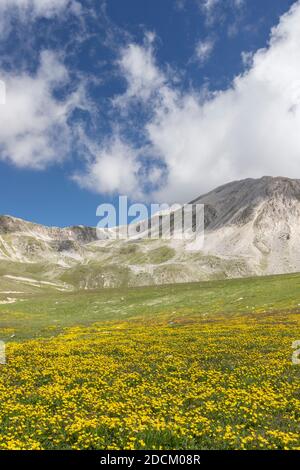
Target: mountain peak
{"type": "Point", "coordinates": [264, 186]}
{"type": "Point", "coordinates": [238, 201]}
{"type": "Point", "coordinates": [252, 227]}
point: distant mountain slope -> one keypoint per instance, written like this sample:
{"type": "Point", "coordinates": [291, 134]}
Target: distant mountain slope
{"type": "Point", "coordinates": [258, 220]}
{"type": "Point", "coordinates": [251, 228]}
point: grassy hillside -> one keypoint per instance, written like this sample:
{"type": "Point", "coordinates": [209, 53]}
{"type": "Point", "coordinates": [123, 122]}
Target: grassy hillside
{"type": "Point", "coordinates": [193, 366]}
{"type": "Point", "coordinates": [36, 313]}
{"type": "Point", "coordinates": [114, 264]}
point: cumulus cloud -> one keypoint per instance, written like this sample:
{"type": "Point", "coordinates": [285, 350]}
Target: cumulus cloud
{"type": "Point", "coordinates": [248, 130]}
{"type": "Point", "coordinates": [112, 168]}
{"type": "Point", "coordinates": [182, 142]}
{"type": "Point", "coordinates": [117, 165]}
{"type": "Point", "coordinates": [34, 128]}
{"type": "Point", "coordinates": [137, 65]}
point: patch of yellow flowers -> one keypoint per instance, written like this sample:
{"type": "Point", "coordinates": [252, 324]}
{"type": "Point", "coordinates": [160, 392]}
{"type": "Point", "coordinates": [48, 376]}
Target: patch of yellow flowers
{"type": "Point", "coordinates": [202, 383]}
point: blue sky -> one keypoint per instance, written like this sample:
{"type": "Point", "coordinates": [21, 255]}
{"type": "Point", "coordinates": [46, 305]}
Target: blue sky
{"type": "Point", "coordinates": [158, 100]}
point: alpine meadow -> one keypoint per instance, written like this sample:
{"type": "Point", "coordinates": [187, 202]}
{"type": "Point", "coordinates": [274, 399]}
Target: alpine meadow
{"type": "Point", "coordinates": [149, 232]}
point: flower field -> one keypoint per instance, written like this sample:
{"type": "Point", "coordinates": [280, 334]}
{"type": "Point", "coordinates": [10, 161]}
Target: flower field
{"type": "Point", "coordinates": [193, 382]}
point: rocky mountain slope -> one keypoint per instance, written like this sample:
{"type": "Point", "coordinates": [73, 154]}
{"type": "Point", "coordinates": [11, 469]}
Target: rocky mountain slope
{"type": "Point", "coordinates": [251, 228]}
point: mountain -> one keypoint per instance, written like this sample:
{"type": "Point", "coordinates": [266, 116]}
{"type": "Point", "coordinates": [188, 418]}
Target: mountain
{"type": "Point", "coordinates": [251, 228]}
{"type": "Point", "coordinates": [257, 220]}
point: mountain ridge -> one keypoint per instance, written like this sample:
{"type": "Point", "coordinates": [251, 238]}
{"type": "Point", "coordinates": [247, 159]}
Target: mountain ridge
{"type": "Point", "coordinates": [268, 182]}
{"type": "Point", "coordinates": [252, 227]}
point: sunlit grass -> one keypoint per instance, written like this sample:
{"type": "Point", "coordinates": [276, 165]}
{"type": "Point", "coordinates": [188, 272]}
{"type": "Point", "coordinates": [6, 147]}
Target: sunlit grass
{"type": "Point", "coordinates": [198, 383]}
{"type": "Point", "coordinates": [197, 366]}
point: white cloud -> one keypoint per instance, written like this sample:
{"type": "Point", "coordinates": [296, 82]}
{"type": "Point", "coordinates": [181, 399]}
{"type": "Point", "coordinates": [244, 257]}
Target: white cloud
{"type": "Point", "coordinates": [200, 141]}
{"type": "Point", "coordinates": [113, 168]}
{"type": "Point", "coordinates": [45, 8]}
{"type": "Point", "coordinates": [204, 50]}
{"type": "Point", "coordinates": [29, 10]}
{"type": "Point", "coordinates": [208, 7]}
{"type": "Point", "coordinates": [248, 130]}
{"type": "Point", "coordinates": [137, 65]}
{"type": "Point", "coordinates": [34, 128]}
{"type": "Point", "coordinates": [218, 10]}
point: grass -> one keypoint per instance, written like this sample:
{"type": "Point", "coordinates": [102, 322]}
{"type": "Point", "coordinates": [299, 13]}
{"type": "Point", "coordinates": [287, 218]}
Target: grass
{"type": "Point", "coordinates": [189, 366]}
{"type": "Point", "coordinates": [32, 316]}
